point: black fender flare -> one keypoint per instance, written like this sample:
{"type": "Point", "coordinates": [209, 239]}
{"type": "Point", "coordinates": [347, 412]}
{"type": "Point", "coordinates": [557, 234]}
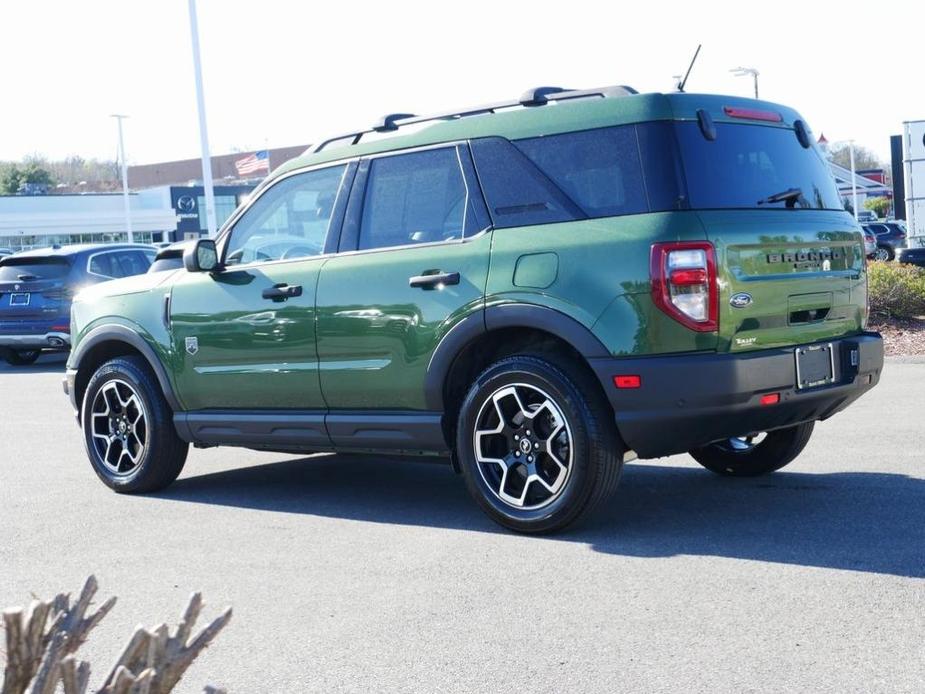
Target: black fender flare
{"type": "Point", "coordinates": [119, 333]}
{"type": "Point", "coordinates": [500, 316]}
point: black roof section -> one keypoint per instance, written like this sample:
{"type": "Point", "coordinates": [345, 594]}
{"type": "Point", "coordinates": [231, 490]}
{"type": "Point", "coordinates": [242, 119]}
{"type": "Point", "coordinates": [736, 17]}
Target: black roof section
{"type": "Point", "coordinates": [538, 96]}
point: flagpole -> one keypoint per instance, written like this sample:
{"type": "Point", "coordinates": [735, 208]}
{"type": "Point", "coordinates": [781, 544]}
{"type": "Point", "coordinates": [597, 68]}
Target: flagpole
{"type": "Point", "coordinates": [203, 132]}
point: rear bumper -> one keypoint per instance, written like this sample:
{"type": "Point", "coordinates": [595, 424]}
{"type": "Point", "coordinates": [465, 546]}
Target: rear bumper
{"type": "Point", "coordinates": [42, 340]}
{"type": "Point", "coordinates": [687, 401]}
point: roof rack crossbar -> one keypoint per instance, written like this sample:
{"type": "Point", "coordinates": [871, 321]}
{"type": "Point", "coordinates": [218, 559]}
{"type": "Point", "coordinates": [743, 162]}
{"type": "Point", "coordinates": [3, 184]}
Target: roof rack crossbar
{"type": "Point", "coordinates": [538, 96]}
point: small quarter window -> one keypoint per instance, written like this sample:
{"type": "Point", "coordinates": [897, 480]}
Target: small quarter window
{"type": "Point", "coordinates": [598, 169]}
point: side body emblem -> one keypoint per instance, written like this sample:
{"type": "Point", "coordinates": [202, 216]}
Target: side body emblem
{"type": "Point", "coordinates": [192, 345]}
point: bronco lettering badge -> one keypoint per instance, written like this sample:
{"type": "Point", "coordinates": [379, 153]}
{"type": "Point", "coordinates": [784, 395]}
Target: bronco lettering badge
{"type": "Point", "coordinates": [805, 258]}
{"type": "Point", "coordinates": [192, 345]}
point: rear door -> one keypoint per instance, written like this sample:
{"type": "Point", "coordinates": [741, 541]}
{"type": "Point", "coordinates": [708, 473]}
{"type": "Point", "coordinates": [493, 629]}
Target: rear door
{"type": "Point", "coordinates": [244, 337]}
{"type": "Point", "coordinates": [413, 262]}
{"type": "Point", "coordinates": [790, 260]}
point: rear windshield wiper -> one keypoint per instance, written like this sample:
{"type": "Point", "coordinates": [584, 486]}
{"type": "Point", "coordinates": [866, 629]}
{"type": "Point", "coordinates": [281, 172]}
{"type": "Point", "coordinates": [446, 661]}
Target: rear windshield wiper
{"type": "Point", "coordinates": [791, 195]}
{"type": "Point", "coordinates": [26, 277]}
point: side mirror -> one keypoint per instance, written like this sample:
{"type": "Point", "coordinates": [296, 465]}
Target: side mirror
{"type": "Point", "coordinates": [202, 256]}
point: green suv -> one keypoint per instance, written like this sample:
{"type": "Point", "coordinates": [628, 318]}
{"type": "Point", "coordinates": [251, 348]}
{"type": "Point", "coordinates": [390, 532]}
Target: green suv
{"type": "Point", "coordinates": [536, 291]}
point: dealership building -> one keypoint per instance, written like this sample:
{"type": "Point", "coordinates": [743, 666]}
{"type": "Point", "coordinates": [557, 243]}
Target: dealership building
{"type": "Point", "coordinates": [167, 203]}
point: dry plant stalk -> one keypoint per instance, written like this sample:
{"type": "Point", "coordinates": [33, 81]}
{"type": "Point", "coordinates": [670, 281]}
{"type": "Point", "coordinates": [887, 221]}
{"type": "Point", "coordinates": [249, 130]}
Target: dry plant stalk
{"type": "Point", "coordinates": [42, 640]}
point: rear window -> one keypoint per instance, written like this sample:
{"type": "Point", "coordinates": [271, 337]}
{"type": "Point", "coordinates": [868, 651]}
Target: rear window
{"type": "Point", "coordinates": [750, 166]}
{"type": "Point", "coordinates": [14, 269]}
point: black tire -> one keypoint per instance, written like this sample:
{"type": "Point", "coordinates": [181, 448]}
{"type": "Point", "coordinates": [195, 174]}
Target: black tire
{"type": "Point", "coordinates": [884, 253]}
{"type": "Point", "coordinates": [21, 357]}
{"type": "Point", "coordinates": [160, 452]}
{"type": "Point", "coordinates": [592, 451]}
{"type": "Point", "coordinates": [776, 450]}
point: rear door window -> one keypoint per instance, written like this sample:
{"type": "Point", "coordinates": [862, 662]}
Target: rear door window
{"type": "Point", "coordinates": [415, 198]}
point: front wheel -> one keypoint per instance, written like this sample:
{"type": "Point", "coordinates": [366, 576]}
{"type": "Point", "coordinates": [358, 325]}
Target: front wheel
{"type": "Point", "coordinates": [128, 428]}
{"type": "Point", "coordinates": [537, 443]}
{"type": "Point", "coordinates": [759, 454]}
{"type": "Point", "coordinates": [21, 357]}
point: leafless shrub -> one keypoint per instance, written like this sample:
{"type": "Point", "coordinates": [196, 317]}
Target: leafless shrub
{"type": "Point", "coordinates": [41, 643]}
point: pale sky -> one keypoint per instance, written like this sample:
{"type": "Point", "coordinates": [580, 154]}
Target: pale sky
{"type": "Point", "coordinates": [288, 73]}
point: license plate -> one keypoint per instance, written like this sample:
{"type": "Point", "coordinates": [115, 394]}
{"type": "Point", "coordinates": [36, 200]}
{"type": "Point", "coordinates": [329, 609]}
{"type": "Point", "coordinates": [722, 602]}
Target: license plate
{"type": "Point", "coordinates": [19, 299]}
{"type": "Point", "coordinates": [815, 365]}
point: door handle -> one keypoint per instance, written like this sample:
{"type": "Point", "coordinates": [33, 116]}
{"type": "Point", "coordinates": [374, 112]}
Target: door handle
{"type": "Point", "coordinates": [435, 280]}
{"type": "Point", "coordinates": [283, 291]}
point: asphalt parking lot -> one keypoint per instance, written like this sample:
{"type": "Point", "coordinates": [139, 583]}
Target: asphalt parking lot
{"type": "Point", "coordinates": [352, 574]}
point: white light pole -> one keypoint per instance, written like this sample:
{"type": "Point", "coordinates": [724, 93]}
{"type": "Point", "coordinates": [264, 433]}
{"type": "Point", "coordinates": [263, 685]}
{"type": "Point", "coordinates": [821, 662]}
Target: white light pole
{"type": "Point", "coordinates": [125, 201]}
{"type": "Point", "coordinates": [203, 132]}
{"type": "Point", "coordinates": [746, 71]}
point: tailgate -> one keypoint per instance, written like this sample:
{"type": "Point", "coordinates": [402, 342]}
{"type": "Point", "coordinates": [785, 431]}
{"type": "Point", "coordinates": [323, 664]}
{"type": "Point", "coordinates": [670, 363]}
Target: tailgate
{"type": "Point", "coordinates": [787, 276]}
{"type": "Point", "coordinates": [32, 287]}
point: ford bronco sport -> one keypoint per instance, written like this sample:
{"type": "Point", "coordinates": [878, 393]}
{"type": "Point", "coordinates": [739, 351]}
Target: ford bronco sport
{"type": "Point", "coordinates": [536, 290]}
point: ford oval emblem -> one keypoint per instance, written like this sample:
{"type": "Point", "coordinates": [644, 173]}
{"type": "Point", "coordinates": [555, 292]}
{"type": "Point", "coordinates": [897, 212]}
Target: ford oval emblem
{"type": "Point", "coordinates": [740, 300]}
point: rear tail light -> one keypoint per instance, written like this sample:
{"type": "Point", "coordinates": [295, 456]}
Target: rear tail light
{"type": "Point", "coordinates": [684, 283]}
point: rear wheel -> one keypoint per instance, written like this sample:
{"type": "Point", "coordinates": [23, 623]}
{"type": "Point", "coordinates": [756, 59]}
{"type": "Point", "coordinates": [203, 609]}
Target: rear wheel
{"type": "Point", "coordinates": [758, 454]}
{"type": "Point", "coordinates": [883, 253]}
{"type": "Point", "coordinates": [128, 428]}
{"type": "Point", "coordinates": [21, 357]}
{"type": "Point", "coordinates": [537, 444]}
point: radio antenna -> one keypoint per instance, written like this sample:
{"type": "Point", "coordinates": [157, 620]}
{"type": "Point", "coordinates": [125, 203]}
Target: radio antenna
{"type": "Point", "coordinates": [687, 74]}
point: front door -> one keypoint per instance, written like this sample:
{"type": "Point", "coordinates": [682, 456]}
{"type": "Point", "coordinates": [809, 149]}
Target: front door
{"type": "Point", "coordinates": [244, 337]}
{"type": "Point", "coordinates": [415, 263]}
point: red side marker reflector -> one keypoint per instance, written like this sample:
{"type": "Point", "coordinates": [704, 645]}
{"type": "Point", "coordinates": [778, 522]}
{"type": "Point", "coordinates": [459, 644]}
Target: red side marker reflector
{"type": "Point", "coordinates": [61, 328]}
{"type": "Point", "coordinates": [752, 114]}
{"type": "Point", "coordinates": [770, 399]}
{"type": "Point", "coordinates": [627, 381]}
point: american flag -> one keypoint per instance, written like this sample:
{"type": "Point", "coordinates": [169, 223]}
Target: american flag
{"type": "Point", "coordinates": [258, 161]}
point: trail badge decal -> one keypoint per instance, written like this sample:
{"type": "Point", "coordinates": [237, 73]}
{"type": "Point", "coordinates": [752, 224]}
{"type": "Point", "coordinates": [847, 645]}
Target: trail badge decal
{"type": "Point", "coordinates": [192, 345]}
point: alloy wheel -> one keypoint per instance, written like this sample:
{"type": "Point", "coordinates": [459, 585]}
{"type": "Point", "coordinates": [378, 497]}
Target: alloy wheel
{"type": "Point", "coordinates": [119, 427]}
{"type": "Point", "coordinates": [882, 254]}
{"type": "Point", "coordinates": [523, 446]}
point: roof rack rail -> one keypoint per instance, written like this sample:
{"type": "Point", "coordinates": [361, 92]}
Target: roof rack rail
{"type": "Point", "coordinates": [538, 96]}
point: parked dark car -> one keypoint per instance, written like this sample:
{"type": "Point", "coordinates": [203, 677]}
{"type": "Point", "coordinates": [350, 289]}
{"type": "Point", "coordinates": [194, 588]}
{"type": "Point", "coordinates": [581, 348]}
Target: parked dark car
{"type": "Point", "coordinates": [911, 256]}
{"type": "Point", "coordinates": [169, 257]}
{"type": "Point", "coordinates": [890, 237]}
{"type": "Point", "coordinates": [36, 289]}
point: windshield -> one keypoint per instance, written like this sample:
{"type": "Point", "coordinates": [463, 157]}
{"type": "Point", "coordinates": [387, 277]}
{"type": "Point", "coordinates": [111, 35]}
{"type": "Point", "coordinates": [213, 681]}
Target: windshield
{"type": "Point", "coordinates": [14, 269]}
{"type": "Point", "coordinates": [754, 167]}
